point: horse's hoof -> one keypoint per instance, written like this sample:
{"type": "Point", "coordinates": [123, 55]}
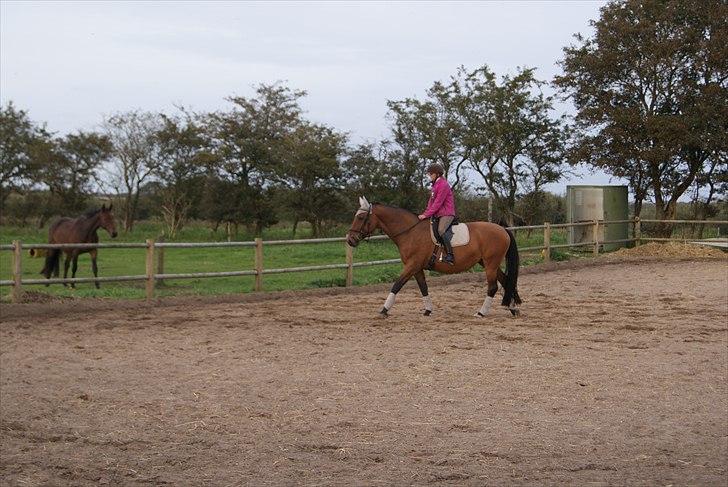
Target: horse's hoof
{"type": "Point", "coordinates": [384, 313]}
{"type": "Point", "coordinates": [515, 312]}
{"type": "Point", "coordinates": [479, 315]}
{"type": "Point", "coordinates": [427, 312]}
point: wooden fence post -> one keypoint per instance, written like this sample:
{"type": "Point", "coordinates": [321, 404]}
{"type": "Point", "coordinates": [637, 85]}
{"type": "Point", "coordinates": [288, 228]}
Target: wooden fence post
{"type": "Point", "coordinates": [637, 231]}
{"type": "Point", "coordinates": [596, 237]}
{"type": "Point", "coordinates": [349, 265]}
{"type": "Point", "coordinates": [17, 271]}
{"type": "Point", "coordinates": [150, 269]}
{"type": "Point", "coordinates": [160, 261]}
{"type": "Point", "coordinates": [258, 264]}
{"type": "Point", "coordinates": [547, 242]}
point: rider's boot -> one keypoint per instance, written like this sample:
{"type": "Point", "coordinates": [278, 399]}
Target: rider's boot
{"type": "Point", "coordinates": [449, 258]}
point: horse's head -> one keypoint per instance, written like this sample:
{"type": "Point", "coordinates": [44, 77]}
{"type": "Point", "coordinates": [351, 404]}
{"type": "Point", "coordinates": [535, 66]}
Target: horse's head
{"type": "Point", "coordinates": [106, 220]}
{"type": "Point", "coordinates": [365, 222]}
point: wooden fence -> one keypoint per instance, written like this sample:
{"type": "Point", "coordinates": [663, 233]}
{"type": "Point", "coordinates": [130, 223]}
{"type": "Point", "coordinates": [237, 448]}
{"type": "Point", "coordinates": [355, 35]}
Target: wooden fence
{"type": "Point", "coordinates": [155, 253]}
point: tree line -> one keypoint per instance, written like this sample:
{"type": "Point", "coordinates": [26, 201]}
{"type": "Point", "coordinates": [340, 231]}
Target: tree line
{"type": "Point", "coordinates": [649, 89]}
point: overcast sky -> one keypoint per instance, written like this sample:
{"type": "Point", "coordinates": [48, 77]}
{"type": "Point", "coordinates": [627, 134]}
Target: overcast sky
{"type": "Point", "coordinates": [71, 63]}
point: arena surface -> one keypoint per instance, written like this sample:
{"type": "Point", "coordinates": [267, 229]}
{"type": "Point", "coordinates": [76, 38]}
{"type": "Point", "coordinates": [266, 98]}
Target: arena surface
{"type": "Point", "coordinates": [615, 374]}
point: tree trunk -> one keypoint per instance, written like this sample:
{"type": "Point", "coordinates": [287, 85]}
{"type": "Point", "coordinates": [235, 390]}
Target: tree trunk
{"type": "Point", "coordinates": [128, 219]}
{"type": "Point", "coordinates": [665, 212]}
{"type": "Point", "coordinates": [637, 207]}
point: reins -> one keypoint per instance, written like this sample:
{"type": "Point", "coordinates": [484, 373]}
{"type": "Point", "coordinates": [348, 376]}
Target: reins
{"type": "Point", "coordinates": [407, 229]}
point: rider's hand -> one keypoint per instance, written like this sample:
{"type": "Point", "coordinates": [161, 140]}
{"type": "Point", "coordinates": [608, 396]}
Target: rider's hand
{"type": "Point", "coordinates": [421, 217]}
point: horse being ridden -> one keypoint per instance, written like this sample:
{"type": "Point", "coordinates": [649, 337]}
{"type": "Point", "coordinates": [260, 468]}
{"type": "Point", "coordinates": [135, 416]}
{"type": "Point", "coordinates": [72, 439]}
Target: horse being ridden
{"type": "Point", "coordinates": [489, 245]}
{"type": "Point", "coordinates": [77, 230]}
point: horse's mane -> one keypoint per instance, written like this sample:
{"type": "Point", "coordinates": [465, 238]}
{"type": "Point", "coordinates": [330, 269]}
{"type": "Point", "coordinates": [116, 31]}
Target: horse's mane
{"type": "Point", "coordinates": [91, 213]}
{"type": "Point", "coordinates": [394, 207]}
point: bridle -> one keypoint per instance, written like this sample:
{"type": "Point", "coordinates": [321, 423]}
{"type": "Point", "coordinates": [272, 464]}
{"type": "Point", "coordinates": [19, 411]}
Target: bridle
{"type": "Point", "coordinates": [362, 234]}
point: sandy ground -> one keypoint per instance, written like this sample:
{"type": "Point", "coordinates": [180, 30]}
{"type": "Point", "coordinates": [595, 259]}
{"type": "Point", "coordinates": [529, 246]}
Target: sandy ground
{"type": "Point", "coordinates": [614, 375]}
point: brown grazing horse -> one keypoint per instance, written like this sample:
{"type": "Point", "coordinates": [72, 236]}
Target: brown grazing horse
{"type": "Point", "coordinates": [77, 230]}
{"type": "Point", "coordinates": [489, 244]}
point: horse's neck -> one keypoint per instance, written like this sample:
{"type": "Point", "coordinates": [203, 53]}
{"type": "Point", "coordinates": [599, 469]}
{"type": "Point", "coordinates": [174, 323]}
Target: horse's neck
{"type": "Point", "coordinates": [394, 222]}
{"type": "Point", "coordinates": [89, 225]}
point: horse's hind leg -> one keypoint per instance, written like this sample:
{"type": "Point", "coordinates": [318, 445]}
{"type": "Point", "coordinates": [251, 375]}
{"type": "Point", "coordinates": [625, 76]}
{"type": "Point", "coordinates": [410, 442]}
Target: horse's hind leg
{"type": "Point", "coordinates": [420, 277]}
{"type": "Point", "coordinates": [94, 267]}
{"type": "Point", "coordinates": [517, 299]}
{"type": "Point", "coordinates": [491, 277]}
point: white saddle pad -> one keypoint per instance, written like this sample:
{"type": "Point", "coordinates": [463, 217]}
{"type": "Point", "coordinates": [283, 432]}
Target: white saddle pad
{"type": "Point", "coordinates": [461, 235]}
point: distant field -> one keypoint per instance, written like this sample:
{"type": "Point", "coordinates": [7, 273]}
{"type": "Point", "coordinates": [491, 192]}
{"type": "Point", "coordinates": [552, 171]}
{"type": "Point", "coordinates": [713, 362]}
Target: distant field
{"type": "Point", "coordinates": [131, 261]}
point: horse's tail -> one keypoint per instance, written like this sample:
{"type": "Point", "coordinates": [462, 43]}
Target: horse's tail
{"type": "Point", "coordinates": [510, 294]}
{"type": "Point", "coordinates": [51, 262]}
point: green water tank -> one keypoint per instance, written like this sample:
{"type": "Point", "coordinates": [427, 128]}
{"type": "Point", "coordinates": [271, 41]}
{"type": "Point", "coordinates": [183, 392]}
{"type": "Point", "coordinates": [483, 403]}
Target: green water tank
{"type": "Point", "coordinates": [585, 203]}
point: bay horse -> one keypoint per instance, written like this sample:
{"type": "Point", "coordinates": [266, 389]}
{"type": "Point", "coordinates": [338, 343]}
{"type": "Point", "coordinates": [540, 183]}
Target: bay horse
{"type": "Point", "coordinates": [489, 245]}
{"type": "Point", "coordinates": [77, 230]}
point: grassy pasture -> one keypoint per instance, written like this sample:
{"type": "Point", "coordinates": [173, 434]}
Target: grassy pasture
{"type": "Point", "coordinates": [131, 261]}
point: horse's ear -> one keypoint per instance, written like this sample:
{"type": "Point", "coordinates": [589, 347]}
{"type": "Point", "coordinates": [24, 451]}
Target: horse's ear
{"type": "Point", "coordinates": [363, 203]}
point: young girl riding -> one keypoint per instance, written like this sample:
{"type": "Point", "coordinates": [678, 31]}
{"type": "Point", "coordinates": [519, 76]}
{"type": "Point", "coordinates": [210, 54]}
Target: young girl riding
{"type": "Point", "coordinates": [441, 207]}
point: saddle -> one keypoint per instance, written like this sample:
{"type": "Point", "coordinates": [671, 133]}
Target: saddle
{"type": "Point", "coordinates": [460, 235]}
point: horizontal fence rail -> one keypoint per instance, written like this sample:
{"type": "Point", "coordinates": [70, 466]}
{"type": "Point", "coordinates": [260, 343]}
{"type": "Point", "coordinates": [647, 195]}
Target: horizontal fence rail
{"type": "Point", "coordinates": [155, 254]}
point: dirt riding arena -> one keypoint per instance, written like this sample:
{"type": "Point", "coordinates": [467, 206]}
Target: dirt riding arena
{"type": "Point", "coordinates": [615, 374]}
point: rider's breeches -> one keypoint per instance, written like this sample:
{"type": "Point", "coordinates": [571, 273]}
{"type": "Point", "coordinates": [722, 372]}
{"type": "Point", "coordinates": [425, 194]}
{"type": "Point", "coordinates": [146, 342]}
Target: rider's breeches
{"type": "Point", "coordinates": [444, 224]}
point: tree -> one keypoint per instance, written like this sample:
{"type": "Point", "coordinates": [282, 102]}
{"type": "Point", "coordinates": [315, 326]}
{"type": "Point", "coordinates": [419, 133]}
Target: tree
{"type": "Point", "coordinates": [135, 156]}
{"type": "Point", "coordinates": [311, 174]}
{"type": "Point", "coordinates": [541, 206]}
{"type": "Point", "coordinates": [384, 173]}
{"type": "Point", "coordinates": [184, 160]}
{"type": "Point", "coordinates": [221, 202]}
{"type": "Point", "coordinates": [651, 95]}
{"type": "Point", "coordinates": [503, 132]}
{"type": "Point", "coordinates": [514, 143]}
{"type": "Point", "coordinates": [432, 128]}
{"type": "Point", "coordinates": [245, 139]}
{"type": "Point", "coordinates": [20, 143]}
{"type": "Point", "coordinates": [69, 170]}
{"type": "Point", "coordinates": [710, 184]}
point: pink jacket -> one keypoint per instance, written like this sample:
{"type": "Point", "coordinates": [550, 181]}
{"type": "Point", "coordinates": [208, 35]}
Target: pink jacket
{"type": "Point", "coordinates": [441, 201]}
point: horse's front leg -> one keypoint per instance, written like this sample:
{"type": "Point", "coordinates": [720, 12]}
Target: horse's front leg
{"type": "Point", "coordinates": [66, 264]}
{"type": "Point", "coordinates": [422, 283]}
{"type": "Point", "coordinates": [74, 268]}
{"type": "Point", "coordinates": [403, 278]}
{"type": "Point", "coordinates": [94, 267]}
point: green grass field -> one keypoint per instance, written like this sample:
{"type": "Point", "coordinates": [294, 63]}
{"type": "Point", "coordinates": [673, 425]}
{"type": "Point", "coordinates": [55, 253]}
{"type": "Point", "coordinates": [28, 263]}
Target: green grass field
{"type": "Point", "coordinates": [114, 262]}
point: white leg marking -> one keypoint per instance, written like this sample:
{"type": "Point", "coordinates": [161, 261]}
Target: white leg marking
{"type": "Point", "coordinates": [428, 302]}
{"type": "Point", "coordinates": [390, 301]}
{"type": "Point", "coordinates": [485, 309]}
